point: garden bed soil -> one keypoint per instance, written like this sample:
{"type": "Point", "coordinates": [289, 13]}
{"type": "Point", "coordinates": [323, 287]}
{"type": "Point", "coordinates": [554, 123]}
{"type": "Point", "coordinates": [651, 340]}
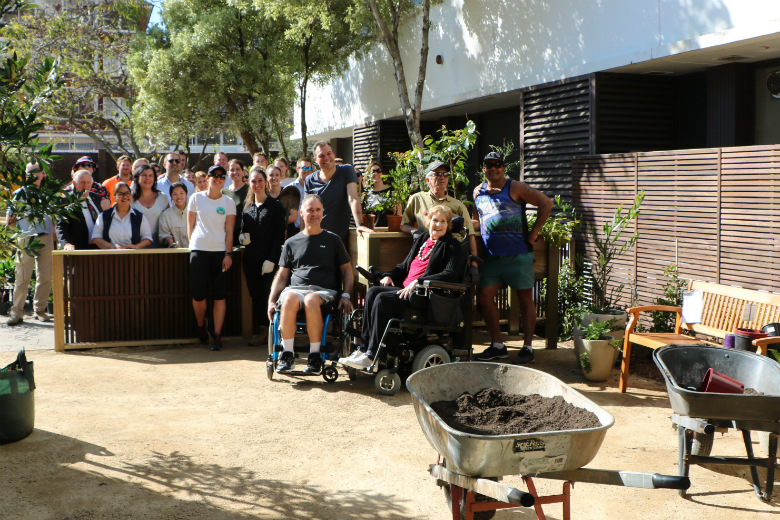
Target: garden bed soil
{"type": "Point", "coordinates": [494, 412]}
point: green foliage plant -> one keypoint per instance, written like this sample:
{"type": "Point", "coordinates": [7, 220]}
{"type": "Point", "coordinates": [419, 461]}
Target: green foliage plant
{"type": "Point", "coordinates": [664, 321]}
{"type": "Point", "coordinates": [608, 248]}
{"type": "Point", "coordinates": [24, 92]}
{"type": "Point", "coordinates": [451, 147]}
{"type": "Point", "coordinates": [558, 228]}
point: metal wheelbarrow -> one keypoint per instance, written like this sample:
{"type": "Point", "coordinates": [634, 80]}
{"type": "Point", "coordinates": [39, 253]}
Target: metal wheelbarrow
{"type": "Point", "coordinates": [474, 463]}
{"type": "Point", "coordinates": [699, 414]}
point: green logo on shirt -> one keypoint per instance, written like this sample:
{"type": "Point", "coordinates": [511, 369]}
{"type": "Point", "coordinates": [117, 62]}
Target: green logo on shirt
{"type": "Point", "coordinates": [220, 210]}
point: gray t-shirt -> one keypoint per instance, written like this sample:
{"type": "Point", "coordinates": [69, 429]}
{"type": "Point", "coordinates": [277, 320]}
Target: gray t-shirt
{"type": "Point", "coordinates": [315, 259]}
{"type": "Point", "coordinates": [335, 201]}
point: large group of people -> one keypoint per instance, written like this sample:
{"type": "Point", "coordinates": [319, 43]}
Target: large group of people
{"type": "Point", "coordinates": [294, 255]}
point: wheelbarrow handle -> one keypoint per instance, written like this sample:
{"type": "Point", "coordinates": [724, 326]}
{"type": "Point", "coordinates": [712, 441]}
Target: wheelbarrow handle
{"type": "Point", "coordinates": [670, 482]}
{"type": "Point", "coordinates": [620, 478]}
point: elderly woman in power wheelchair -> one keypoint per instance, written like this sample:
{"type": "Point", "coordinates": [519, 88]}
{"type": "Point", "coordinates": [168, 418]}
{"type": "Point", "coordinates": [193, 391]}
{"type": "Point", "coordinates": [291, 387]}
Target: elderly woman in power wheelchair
{"type": "Point", "coordinates": [418, 314]}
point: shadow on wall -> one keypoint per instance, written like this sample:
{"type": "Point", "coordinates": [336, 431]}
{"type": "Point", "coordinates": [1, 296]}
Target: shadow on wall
{"type": "Point", "coordinates": [48, 475]}
{"type": "Point", "coordinates": [492, 46]}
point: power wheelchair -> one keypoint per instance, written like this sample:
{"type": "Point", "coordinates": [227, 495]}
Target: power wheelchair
{"type": "Point", "coordinates": [436, 329]}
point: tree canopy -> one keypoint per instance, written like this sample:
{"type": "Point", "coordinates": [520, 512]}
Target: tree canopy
{"type": "Point", "coordinates": [220, 70]}
{"type": "Point", "coordinates": [91, 40]}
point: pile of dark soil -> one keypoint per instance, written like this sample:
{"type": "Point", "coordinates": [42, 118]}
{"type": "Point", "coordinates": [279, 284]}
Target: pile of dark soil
{"type": "Point", "coordinates": [494, 412]}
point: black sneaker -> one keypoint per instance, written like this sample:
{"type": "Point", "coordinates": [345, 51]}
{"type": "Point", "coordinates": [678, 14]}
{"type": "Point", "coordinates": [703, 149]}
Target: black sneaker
{"type": "Point", "coordinates": [492, 353]}
{"type": "Point", "coordinates": [525, 356]}
{"type": "Point", "coordinates": [203, 333]}
{"type": "Point", "coordinates": [217, 343]}
{"type": "Point", "coordinates": [286, 362]}
{"type": "Point", "coordinates": [314, 365]}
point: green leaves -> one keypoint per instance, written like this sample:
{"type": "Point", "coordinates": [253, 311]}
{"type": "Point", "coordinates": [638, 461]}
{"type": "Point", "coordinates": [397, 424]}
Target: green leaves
{"type": "Point", "coordinates": [609, 247]}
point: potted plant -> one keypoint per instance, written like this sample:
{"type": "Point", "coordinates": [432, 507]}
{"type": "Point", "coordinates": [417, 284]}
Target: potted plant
{"type": "Point", "coordinates": [608, 248]}
{"type": "Point", "coordinates": [599, 351]}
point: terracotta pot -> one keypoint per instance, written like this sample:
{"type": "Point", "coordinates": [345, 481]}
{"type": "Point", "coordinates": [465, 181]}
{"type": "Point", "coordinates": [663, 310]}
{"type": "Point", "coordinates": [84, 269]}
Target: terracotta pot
{"type": "Point", "coordinates": [394, 223]}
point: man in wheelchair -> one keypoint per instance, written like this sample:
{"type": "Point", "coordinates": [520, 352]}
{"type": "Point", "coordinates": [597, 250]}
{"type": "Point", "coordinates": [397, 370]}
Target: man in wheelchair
{"type": "Point", "coordinates": [435, 255]}
{"type": "Point", "coordinates": [311, 262]}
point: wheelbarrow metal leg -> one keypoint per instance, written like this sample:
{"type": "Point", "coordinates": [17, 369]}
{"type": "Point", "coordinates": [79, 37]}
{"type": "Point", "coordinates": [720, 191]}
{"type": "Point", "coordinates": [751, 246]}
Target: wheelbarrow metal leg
{"type": "Point", "coordinates": [771, 461]}
{"type": "Point", "coordinates": [564, 499]}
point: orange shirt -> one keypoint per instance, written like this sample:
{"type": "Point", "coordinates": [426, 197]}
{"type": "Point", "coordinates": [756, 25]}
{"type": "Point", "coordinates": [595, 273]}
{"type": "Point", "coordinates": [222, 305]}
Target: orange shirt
{"type": "Point", "coordinates": [109, 185]}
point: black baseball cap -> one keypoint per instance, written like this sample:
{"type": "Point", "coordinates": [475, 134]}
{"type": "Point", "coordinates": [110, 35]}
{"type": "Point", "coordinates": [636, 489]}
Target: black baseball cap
{"type": "Point", "coordinates": [493, 156]}
{"type": "Point", "coordinates": [217, 171]}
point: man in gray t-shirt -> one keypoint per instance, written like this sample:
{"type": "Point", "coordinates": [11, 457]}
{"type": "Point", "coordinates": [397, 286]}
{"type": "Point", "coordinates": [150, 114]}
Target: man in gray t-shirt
{"type": "Point", "coordinates": [337, 188]}
{"type": "Point", "coordinates": [309, 262]}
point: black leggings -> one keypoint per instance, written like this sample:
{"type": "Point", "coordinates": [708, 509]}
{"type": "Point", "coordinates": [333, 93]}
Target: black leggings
{"type": "Point", "coordinates": [382, 305]}
{"type": "Point", "coordinates": [205, 266]}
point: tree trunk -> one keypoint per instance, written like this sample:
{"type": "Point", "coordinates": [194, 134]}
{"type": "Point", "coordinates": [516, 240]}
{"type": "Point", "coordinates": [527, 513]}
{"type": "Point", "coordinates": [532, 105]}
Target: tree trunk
{"type": "Point", "coordinates": [302, 88]}
{"type": "Point", "coordinates": [250, 141]}
{"type": "Point", "coordinates": [390, 38]}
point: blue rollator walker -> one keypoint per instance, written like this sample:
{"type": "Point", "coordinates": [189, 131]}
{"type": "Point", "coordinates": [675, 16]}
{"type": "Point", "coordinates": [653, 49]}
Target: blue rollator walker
{"type": "Point", "coordinates": [332, 318]}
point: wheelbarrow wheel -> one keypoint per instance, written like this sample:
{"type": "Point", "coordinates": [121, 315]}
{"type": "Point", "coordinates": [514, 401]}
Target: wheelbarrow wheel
{"type": "Point", "coordinates": [702, 444]}
{"type": "Point", "coordinates": [479, 515]}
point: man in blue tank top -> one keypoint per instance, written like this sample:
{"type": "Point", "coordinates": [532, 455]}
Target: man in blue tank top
{"type": "Point", "coordinates": [509, 251]}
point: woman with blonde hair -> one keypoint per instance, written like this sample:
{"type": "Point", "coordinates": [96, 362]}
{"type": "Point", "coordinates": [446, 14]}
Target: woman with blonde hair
{"type": "Point", "coordinates": [435, 255]}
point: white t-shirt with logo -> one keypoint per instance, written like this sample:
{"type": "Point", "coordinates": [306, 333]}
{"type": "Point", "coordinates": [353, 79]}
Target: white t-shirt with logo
{"type": "Point", "coordinates": [209, 232]}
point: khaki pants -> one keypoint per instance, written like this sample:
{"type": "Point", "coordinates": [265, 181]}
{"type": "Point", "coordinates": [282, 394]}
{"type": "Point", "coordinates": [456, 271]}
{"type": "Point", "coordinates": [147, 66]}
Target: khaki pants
{"type": "Point", "coordinates": [24, 270]}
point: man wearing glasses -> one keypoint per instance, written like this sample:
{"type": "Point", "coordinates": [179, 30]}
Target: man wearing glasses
{"type": "Point", "coordinates": [304, 169]}
{"type": "Point", "coordinates": [125, 168]}
{"type": "Point", "coordinates": [173, 166]}
{"type": "Point", "coordinates": [86, 163]}
{"type": "Point", "coordinates": [509, 251]}
{"type": "Point", "coordinates": [437, 175]}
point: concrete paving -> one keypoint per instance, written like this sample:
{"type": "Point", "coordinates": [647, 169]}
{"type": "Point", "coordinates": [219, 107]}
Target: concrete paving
{"type": "Point", "coordinates": [31, 334]}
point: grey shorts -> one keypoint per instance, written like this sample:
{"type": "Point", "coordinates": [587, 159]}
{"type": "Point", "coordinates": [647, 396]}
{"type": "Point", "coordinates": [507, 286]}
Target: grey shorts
{"type": "Point", "coordinates": [327, 295]}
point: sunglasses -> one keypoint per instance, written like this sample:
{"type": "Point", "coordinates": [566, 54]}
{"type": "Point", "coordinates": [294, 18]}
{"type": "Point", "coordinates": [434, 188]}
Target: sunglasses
{"type": "Point", "coordinates": [494, 165]}
{"type": "Point", "coordinates": [86, 164]}
{"type": "Point", "coordinates": [217, 175]}
{"type": "Point", "coordinates": [440, 174]}
{"type": "Point", "coordinates": [376, 170]}
{"type": "Point", "coordinates": [123, 194]}
{"type": "Point", "coordinates": [305, 168]}
{"type": "Point", "coordinates": [177, 161]}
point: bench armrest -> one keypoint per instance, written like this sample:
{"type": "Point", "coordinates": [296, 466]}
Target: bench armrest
{"type": "Point", "coordinates": [762, 344]}
{"type": "Point", "coordinates": [634, 318]}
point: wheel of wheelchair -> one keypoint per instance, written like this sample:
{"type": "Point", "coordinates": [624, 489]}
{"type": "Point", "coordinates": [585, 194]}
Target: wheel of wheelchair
{"type": "Point", "coordinates": [269, 369]}
{"type": "Point", "coordinates": [387, 383]}
{"type": "Point", "coordinates": [330, 374]}
{"type": "Point", "coordinates": [430, 356]}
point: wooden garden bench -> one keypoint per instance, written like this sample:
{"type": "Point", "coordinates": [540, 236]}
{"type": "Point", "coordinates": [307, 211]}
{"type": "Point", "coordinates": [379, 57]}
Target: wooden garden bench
{"type": "Point", "coordinates": [725, 308]}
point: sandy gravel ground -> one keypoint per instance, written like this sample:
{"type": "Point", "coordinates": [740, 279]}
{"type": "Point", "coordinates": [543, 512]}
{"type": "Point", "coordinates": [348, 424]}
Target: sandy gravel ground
{"type": "Point", "coordinates": [185, 433]}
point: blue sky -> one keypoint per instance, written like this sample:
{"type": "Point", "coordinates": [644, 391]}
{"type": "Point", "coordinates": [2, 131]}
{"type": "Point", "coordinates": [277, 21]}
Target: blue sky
{"type": "Point", "coordinates": [156, 18]}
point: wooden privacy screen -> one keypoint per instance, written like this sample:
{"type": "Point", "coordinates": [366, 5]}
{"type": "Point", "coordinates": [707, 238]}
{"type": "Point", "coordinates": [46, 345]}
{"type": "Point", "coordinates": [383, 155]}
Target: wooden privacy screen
{"type": "Point", "coordinates": [713, 212]}
{"type": "Point", "coordinates": [113, 298]}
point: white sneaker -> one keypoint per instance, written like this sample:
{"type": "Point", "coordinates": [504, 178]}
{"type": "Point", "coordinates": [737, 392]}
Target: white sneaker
{"type": "Point", "coordinates": [355, 354]}
{"type": "Point", "coordinates": [362, 361]}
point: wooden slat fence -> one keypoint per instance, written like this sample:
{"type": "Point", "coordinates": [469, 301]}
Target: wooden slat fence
{"type": "Point", "coordinates": [713, 212]}
{"type": "Point", "coordinates": [109, 298]}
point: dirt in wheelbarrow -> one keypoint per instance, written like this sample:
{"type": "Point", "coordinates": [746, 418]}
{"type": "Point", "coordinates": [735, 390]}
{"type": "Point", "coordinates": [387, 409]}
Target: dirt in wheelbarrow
{"type": "Point", "coordinates": [494, 412]}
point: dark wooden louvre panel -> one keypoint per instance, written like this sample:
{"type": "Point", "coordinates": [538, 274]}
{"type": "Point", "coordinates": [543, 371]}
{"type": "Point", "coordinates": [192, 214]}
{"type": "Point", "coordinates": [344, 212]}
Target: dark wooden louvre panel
{"type": "Point", "coordinates": [393, 137]}
{"type": "Point", "coordinates": [365, 144]}
{"type": "Point", "coordinates": [555, 126]}
{"type": "Point", "coordinates": [713, 212]}
{"type": "Point", "coordinates": [635, 113]}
